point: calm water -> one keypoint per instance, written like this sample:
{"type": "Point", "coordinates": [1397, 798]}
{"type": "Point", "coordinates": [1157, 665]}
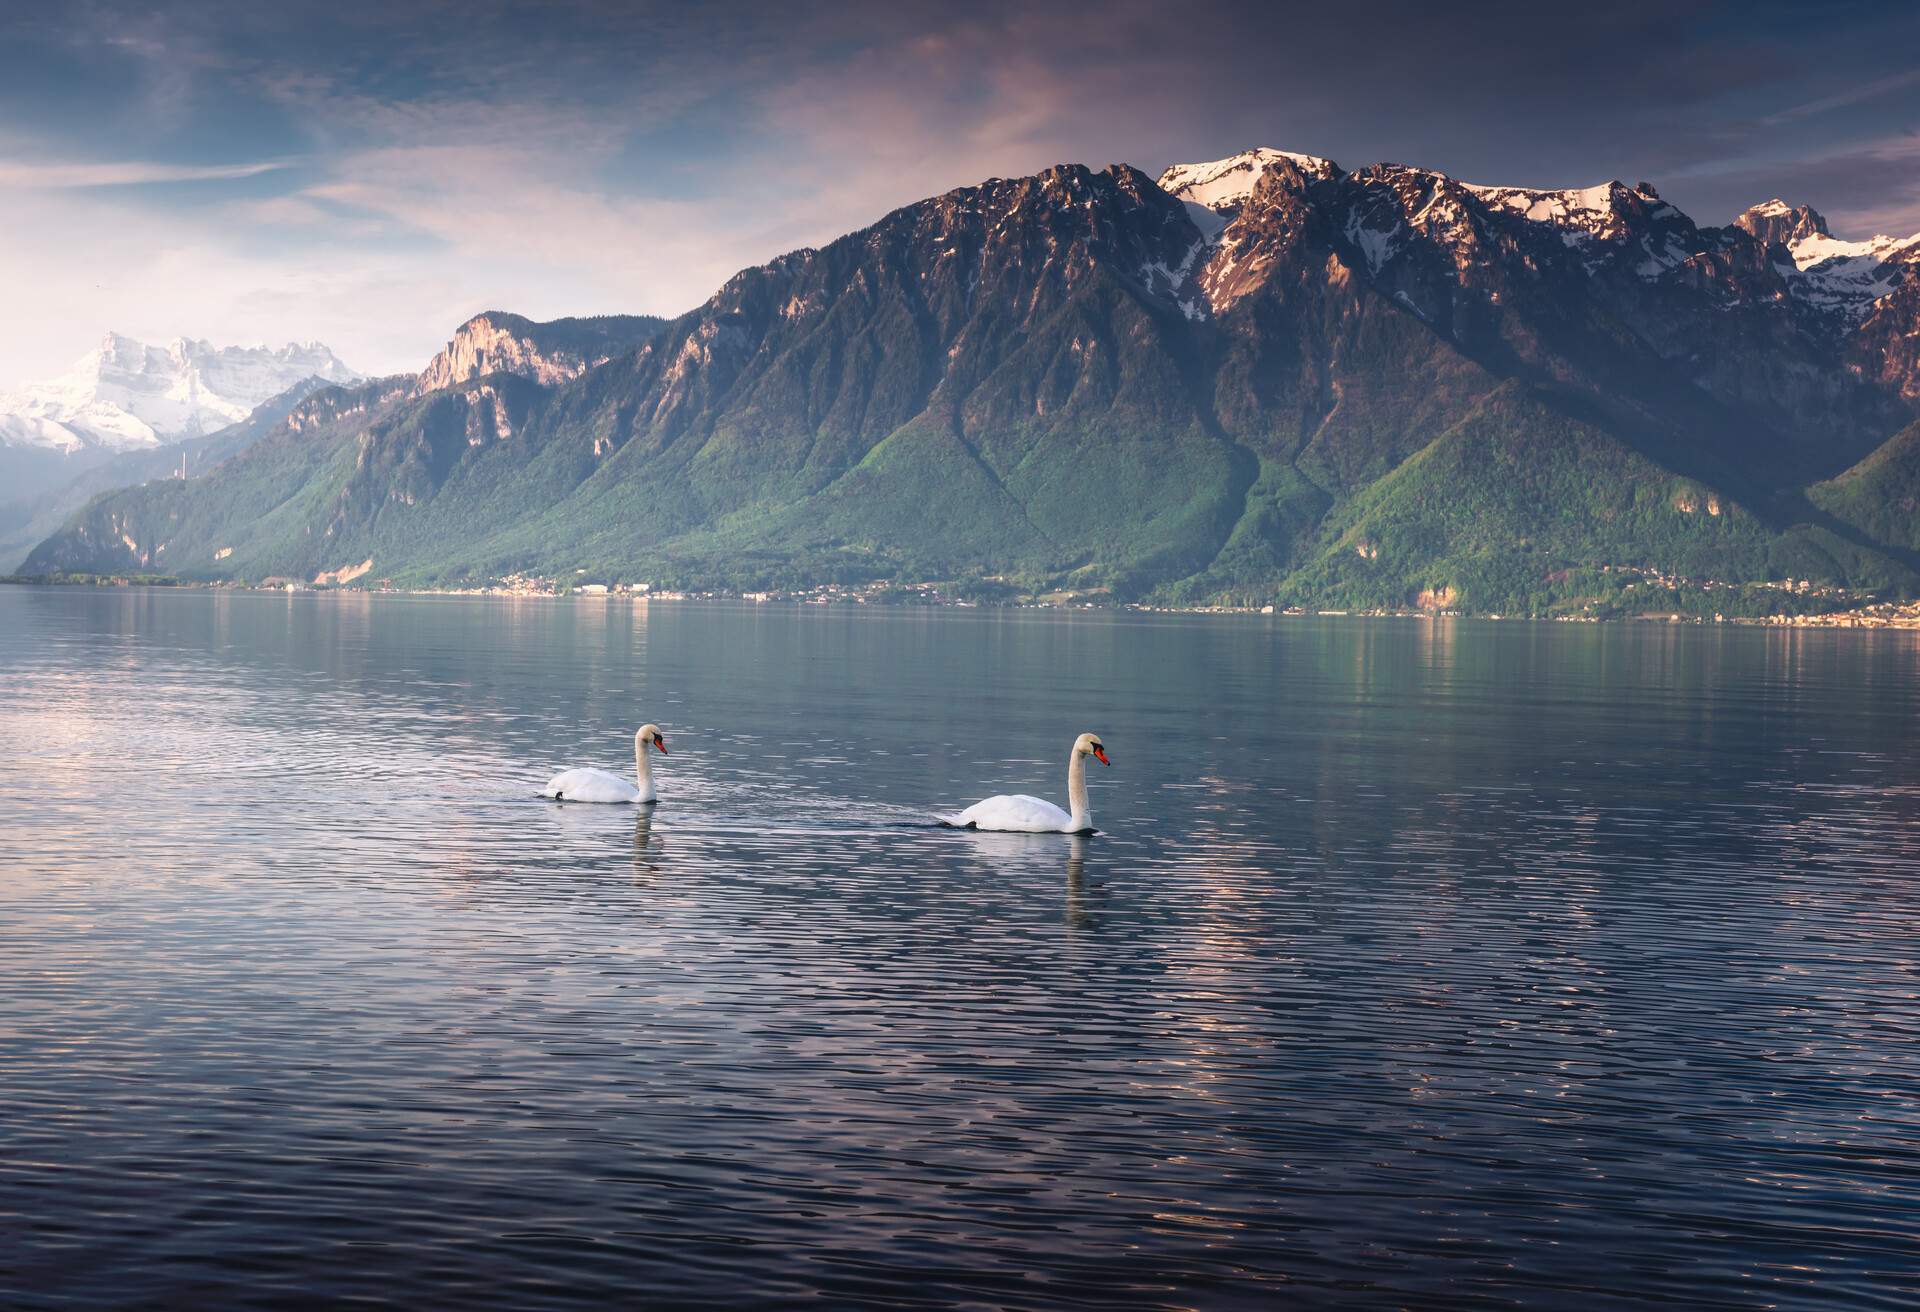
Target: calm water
{"type": "Point", "coordinates": [1426, 964]}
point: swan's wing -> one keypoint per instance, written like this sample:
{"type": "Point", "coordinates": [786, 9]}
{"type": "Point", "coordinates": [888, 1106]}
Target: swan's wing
{"type": "Point", "coordinates": [1016, 813]}
{"type": "Point", "coordinates": [589, 786]}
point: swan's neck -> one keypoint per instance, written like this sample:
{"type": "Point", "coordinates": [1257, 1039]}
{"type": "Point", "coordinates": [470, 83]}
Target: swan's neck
{"type": "Point", "coordinates": [1077, 792]}
{"type": "Point", "coordinates": [642, 768]}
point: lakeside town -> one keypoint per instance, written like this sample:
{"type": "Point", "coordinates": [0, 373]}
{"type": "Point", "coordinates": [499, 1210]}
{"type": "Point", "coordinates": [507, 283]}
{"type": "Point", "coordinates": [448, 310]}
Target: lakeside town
{"type": "Point", "coordinates": [1824, 605]}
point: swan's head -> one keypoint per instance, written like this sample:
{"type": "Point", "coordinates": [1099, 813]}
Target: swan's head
{"type": "Point", "coordinates": [650, 733]}
{"type": "Point", "coordinates": [1089, 744]}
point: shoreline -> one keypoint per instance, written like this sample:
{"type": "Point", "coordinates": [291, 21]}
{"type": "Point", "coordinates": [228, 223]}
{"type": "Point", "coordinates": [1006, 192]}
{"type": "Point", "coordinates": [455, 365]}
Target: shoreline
{"type": "Point", "coordinates": [1875, 615]}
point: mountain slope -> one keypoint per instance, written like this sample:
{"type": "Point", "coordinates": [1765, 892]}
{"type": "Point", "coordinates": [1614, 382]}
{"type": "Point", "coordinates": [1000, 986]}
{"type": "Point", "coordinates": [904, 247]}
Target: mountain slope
{"type": "Point", "coordinates": [1520, 505]}
{"type": "Point", "coordinates": [1880, 496]}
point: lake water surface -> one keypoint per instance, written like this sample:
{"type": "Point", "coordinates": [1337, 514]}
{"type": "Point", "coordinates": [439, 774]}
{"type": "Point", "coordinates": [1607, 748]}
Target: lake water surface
{"type": "Point", "coordinates": [1418, 963]}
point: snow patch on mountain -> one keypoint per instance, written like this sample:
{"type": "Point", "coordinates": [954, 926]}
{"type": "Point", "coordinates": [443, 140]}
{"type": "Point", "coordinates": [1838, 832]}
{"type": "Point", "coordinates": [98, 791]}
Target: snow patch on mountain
{"type": "Point", "coordinates": [1378, 247]}
{"type": "Point", "coordinates": [1223, 185]}
{"type": "Point", "coordinates": [1659, 259]}
{"type": "Point", "coordinates": [1159, 276]}
{"type": "Point", "coordinates": [1210, 222]}
{"type": "Point", "coordinates": [1579, 210]}
{"type": "Point", "coordinates": [1848, 277]}
{"type": "Point", "coordinates": [124, 394]}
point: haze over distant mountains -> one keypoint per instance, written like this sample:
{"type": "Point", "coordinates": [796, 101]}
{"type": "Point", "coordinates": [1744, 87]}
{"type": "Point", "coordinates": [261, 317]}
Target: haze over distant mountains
{"type": "Point", "coordinates": [125, 394]}
{"type": "Point", "coordinates": [1259, 378]}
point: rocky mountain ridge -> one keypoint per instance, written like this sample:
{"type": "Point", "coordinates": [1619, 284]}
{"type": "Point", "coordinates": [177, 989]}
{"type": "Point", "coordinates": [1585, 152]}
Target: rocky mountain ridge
{"type": "Point", "coordinates": [546, 353]}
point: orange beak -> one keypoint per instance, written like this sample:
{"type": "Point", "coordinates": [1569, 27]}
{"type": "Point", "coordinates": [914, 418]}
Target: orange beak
{"type": "Point", "coordinates": [661, 743]}
{"type": "Point", "coordinates": [1101, 752]}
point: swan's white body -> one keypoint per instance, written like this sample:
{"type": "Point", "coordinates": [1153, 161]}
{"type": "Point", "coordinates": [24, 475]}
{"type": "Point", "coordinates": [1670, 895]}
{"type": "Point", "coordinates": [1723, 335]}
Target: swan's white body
{"type": "Point", "coordinates": [590, 785]}
{"type": "Point", "coordinates": [1017, 813]}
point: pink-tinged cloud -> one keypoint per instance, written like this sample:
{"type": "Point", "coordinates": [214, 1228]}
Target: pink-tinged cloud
{"type": "Point", "coordinates": [43, 176]}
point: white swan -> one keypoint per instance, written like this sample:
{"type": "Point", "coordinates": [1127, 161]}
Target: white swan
{"type": "Point", "coordinates": [588, 785]}
{"type": "Point", "coordinates": [1021, 814]}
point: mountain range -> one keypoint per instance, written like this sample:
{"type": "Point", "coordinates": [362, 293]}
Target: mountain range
{"type": "Point", "coordinates": [1263, 378]}
{"type": "Point", "coordinates": [125, 395]}
{"type": "Point", "coordinates": [106, 421]}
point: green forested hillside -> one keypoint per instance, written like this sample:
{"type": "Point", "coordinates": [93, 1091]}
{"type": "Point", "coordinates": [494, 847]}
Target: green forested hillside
{"type": "Point", "coordinates": [1516, 506]}
{"type": "Point", "coordinates": [1880, 496]}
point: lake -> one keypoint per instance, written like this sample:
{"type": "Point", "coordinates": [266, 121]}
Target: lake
{"type": "Point", "coordinates": [1426, 963]}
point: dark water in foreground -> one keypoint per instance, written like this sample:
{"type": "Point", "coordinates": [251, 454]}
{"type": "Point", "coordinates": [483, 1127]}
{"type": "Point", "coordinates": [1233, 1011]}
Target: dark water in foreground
{"type": "Point", "coordinates": [1419, 964]}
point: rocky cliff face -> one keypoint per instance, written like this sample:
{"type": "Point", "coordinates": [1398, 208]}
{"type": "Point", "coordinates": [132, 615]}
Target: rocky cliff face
{"type": "Point", "coordinates": [545, 353]}
{"type": "Point", "coordinates": [1776, 223]}
{"type": "Point", "coordinates": [330, 406]}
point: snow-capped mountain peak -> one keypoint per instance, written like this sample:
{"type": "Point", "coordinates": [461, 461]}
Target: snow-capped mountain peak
{"type": "Point", "coordinates": [125, 394]}
{"type": "Point", "coordinates": [1222, 185]}
{"type": "Point", "coordinates": [1830, 274]}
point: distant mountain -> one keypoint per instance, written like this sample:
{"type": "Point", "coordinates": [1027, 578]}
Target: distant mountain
{"type": "Point", "coordinates": [1258, 378]}
{"type": "Point", "coordinates": [124, 395]}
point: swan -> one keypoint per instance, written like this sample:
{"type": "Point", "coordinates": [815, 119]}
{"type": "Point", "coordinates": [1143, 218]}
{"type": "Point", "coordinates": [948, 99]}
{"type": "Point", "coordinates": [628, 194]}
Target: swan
{"type": "Point", "coordinates": [588, 785]}
{"type": "Point", "coordinates": [1021, 814]}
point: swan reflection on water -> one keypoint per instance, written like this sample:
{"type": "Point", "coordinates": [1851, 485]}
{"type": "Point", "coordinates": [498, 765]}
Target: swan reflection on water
{"type": "Point", "coordinates": [1037, 863]}
{"type": "Point", "coordinates": [646, 849]}
{"type": "Point", "coordinates": [1077, 917]}
{"type": "Point", "coordinates": [1039, 859]}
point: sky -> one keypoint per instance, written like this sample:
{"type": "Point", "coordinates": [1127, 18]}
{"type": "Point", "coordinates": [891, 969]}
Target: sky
{"type": "Point", "coordinates": [370, 175]}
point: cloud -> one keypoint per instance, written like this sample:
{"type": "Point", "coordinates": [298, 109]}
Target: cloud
{"type": "Point", "coordinates": [1871, 188]}
{"type": "Point", "coordinates": [43, 176]}
{"type": "Point", "coordinates": [1851, 96]}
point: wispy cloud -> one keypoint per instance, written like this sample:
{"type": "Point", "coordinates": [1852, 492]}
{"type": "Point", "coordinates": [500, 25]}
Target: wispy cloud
{"type": "Point", "coordinates": [38, 176]}
{"type": "Point", "coordinates": [1841, 99]}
